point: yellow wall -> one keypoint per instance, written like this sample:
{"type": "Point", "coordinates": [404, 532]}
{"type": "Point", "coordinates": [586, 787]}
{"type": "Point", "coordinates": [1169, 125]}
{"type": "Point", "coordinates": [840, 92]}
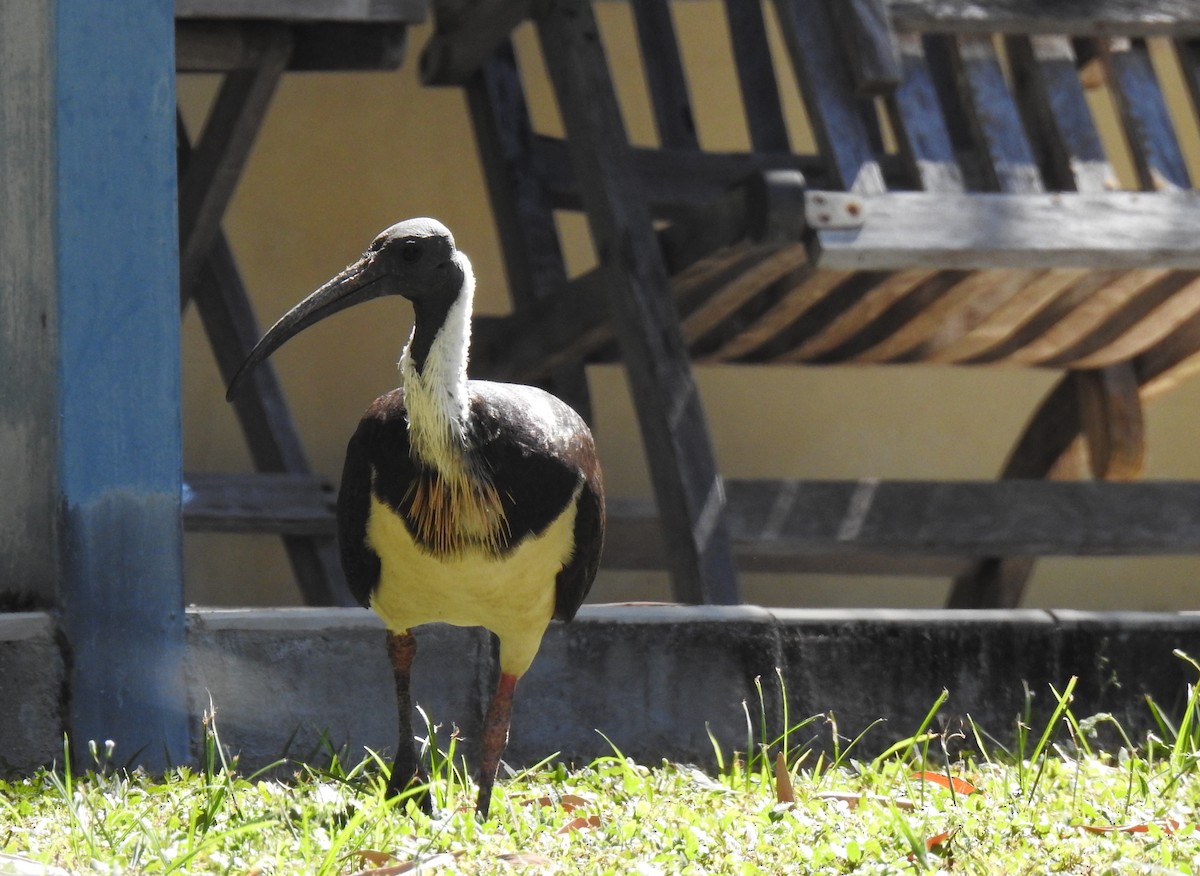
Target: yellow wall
{"type": "Point", "coordinates": [343, 156]}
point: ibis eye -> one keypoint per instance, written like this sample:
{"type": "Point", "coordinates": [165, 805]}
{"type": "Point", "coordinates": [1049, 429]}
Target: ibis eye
{"type": "Point", "coordinates": [411, 251]}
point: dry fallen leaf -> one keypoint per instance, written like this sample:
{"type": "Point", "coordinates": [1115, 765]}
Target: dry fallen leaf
{"type": "Point", "coordinates": [938, 840]}
{"type": "Point", "coordinates": [444, 859]}
{"type": "Point", "coordinates": [580, 823]}
{"type": "Point", "coordinates": [959, 786]}
{"type": "Point", "coordinates": [784, 791]}
{"type": "Point", "coordinates": [567, 802]}
{"type": "Point", "coordinates": [372, 856]}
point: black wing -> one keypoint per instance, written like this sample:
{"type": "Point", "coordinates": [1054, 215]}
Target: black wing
{"type": "Point", "coordinates": [541, 452]}
{"type": "Point", "coordinates": [381, 439]}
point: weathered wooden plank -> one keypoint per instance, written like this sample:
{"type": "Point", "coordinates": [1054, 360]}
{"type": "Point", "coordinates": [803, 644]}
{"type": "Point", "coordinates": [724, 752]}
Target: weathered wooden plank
{"type": "Point", "coordinates": [756, 76]}
{"type": "Point", "coordinates": [999, 326]}
{"type": "Point", "coordinates": [348, 46]}
{"type": "Point", "coordinates": [1172, 360]}
{"type": "Point", "coordinates": [1057, 116]}
{"type": "Point", "coordinates": [291, 504]}
{"type": "Point", "coordinates": [524, 218]}
{"type": "Point", "coordinates": [217, 161]}
{"type": "Point", "coordinates": [850, 322]}
{"type": "Point", "coordinates": [1179, 308]}
{"type": "Point", "coordinates": [761, 267]}
{"type": "Point", "coordinates": [633, 540]}
{"type": "Point", "coordinates": [217, 46]}
{"type": "Point", "coordinates": [528, 347]}
{"type": "Point", "coordinates": [1110, 411]}
{"type": "Point", "coordinates": [992, 117]}
{"type": "Point", "coordinates": [520, 204]}
{"type": "Point", "coordinates": [400, 11]}
{"type": "Point", "coordinates": [1035, 517]}
{"type": "Point", "coordinates": [957, 312]}
{"type": "Point", "coordinates": [866, 36]}
{"type": "Point", "coordinates": [1153, 146]}
{"type": "Point", "coordinates": [670, 178]}
{"type": "Point", "coordinates": [855, 325]}
{"type": "Point", "coordinates": [1046, 317]}
{"type": "Point", "coordinates": [887, 318]}
{"type": "Point", "coordinates": [916, 117]}
{"type": "Point", "coordinates": [865, 307]}
{"type": "Point", "coordinates": [232, 330]}
{"type": "Point", "coordinates": [750, 335]}
{"type": "Point", "coordinates": [687, 485]}
{"type": "Point", "coordinates": [828, 92]}
{"type": "Point", "coordinates": [1099, 17]}
{"type": "Point", "coordinates": [1112, 230]}
{"type": "Point", "coordinates": [1072, 327]}
{"type": "Point", "coordinates": [665, 79]}
{"type": "Point", "coordinates": [1112, 329]}
{"type": "Point", "coordinates": [208, 46]}
{"type": "Point", "coordinates": [1188, 52]}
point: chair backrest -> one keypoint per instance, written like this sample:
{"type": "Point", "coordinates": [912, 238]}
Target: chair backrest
{"type": "Point", "coordinates": [919, 115]}
{"type": "Point", "coordinates": [958, 202]}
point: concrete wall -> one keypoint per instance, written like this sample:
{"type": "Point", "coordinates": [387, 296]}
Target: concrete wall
{"type": "Point", "coordinates": [343, 156]}
{"type": "Point", "coordinates": [654, 679]}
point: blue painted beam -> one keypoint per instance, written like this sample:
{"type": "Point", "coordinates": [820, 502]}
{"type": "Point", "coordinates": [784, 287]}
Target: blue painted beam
{"type": "Point", "coordinates": [119, 447]}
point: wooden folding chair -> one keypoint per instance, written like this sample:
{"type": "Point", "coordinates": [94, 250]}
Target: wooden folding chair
{"type": "Point", "coordinates": [960, 207]}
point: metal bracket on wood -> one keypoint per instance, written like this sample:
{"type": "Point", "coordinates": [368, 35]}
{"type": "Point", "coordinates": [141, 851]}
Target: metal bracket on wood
{"type": "Point", "coordinates": [781, 209]}
{"type": "Point", "coordinates": [834, 211]}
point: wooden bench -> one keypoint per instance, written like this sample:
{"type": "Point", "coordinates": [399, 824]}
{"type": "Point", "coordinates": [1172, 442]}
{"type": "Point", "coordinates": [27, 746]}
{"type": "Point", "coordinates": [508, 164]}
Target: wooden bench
{"type": "Point", "coordinates": [960, 207]}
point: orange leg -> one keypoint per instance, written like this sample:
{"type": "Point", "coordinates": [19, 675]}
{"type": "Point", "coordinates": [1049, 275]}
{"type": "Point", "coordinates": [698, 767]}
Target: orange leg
{"type": "Point", "coordinates": [495, 738]}
{"type": "Point", "coordinates": [406, 768]}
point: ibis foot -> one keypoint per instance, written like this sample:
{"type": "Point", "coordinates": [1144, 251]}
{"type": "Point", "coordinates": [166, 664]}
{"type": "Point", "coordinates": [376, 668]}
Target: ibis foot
{"type": "Point", "coordinates": [495, 738]}
{"type": "Point", "coordinates": [415, 783]}
{"type": "Point", "coordinates": [407, 772]}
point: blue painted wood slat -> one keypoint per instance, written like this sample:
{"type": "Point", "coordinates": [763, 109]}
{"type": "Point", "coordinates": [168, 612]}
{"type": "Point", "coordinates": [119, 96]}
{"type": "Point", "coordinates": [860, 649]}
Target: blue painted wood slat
{"type": "Point", "coordinates": [116, 258]}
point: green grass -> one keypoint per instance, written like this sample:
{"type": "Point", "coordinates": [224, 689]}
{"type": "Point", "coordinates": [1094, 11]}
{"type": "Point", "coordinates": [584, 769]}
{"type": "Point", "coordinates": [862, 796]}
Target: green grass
{"type": "Point", "coordinates": [1049, 803]}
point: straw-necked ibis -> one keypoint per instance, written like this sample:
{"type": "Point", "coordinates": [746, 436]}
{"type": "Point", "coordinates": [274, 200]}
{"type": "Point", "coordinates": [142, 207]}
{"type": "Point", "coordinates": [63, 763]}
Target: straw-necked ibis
{"type": "Point", "coordinates": [463, 501]}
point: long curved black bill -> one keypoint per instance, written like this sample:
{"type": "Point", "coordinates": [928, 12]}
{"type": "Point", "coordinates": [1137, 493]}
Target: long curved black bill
{"type": "Point", "coordinates": [352, 286]}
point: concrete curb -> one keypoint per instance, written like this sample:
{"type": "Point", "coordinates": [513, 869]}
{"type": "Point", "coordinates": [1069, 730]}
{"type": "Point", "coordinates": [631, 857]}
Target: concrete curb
{"type": "Point", "coordinates": [655, 679]}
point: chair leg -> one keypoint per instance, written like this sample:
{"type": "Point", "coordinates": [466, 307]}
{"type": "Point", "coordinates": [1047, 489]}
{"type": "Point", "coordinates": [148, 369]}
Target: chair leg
{"type": "Point", "coordinates": [1102, 406]}
{"type": "Point", "coordinates": [687, 485]}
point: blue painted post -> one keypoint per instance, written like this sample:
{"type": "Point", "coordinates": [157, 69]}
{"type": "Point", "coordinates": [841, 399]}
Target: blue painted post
{"type": "Point", "coordinates": [100, 97]}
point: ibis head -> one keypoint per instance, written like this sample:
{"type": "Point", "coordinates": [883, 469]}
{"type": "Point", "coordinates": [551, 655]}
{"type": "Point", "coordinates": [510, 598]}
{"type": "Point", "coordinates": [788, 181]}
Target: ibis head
{"type": "Point", "coordinates": [415, 259]}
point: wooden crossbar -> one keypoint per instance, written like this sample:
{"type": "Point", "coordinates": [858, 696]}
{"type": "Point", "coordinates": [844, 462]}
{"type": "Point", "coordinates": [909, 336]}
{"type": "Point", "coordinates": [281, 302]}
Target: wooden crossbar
{"type": "Point", "coordinates": [275, 504]}
{"type": "Point", "coordinates": [959, 231]}
{"type": "Point", "coordinates": [1098, 17]}
{"type": "Point", "coordinates": [778, 524]}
